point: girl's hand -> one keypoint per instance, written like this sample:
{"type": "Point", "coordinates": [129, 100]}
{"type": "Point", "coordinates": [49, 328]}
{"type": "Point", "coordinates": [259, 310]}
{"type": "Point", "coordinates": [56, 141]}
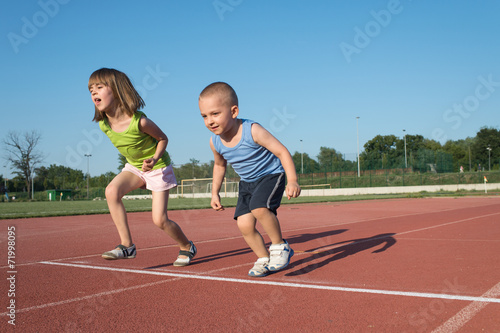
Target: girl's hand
{"type": "Point", "coordinates": [148, 164]}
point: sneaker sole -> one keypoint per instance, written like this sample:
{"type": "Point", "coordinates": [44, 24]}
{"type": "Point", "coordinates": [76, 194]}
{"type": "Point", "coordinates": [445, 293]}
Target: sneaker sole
{"type": "Point", "coordinates": [262, 275]}
{"type": "Point", "coordinates": [275, 269]}
{"type": "Point", "coordinates": [181, 264]}
{"type": "Point", "coordinates": [107, 257]}
{"type": "Point", "coordinates": [185, 262]}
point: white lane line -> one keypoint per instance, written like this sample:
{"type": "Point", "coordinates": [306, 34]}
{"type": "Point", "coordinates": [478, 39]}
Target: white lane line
{"type": "Point", "coordinates": [105, 293]}
{"type": "Point", "coordinates": [466, 314]}
{"type": "Point", "coordinates": [487, 298]}
{"type": "Point", "coordinates": [371, 219]}
{"type": "Point", "coordinates": [287, 231]}
{"type": "Point", "coordinates": [83, 298]}
{"type": "Point", "coordinates": [448, 223]}
{"type": "Point", "coordinates": [282, 284]}
{"type": "Point", "coordinates": [176, 276]}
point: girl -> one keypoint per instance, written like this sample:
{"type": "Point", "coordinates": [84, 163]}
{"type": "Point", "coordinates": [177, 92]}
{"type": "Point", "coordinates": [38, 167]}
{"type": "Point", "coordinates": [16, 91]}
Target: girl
{"type": "Point", "coordinates": [143, 144]}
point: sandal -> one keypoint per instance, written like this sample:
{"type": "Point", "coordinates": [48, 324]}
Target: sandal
{"type": "Point", "coordinates": [190, 255]}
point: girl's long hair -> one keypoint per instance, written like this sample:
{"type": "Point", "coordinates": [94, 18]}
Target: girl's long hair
{"type": "Point", "coordinates": [128, 98]}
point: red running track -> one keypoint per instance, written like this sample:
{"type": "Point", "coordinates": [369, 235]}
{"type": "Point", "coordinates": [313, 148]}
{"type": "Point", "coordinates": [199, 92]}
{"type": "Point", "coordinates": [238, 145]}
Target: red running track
{"type": "Point", "coordinates": [402, 265]}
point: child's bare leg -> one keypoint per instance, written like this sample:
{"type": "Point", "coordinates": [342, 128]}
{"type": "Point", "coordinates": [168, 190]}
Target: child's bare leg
{"type": "Point", "coordinates": [270, 223]}
{"type": "Point", "coordinates": [246, 224]}
{"type": "Point", "coordinates": [161, 220]}
{"type": "Point", "coordinates": [280, 251]}
{"type": "Point", "coordinates": [122, 184]}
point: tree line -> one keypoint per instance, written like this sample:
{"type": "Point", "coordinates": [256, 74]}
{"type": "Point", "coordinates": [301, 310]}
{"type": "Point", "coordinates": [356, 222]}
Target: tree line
{"type": "Point", "coordinates": [413, 152]}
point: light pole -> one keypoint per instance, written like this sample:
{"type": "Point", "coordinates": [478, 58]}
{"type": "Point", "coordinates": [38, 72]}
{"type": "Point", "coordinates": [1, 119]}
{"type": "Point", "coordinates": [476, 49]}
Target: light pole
{"type": "Point", "coordinates": [88, 173]}
{"type": "Point", "coordinates": [357, 136]}
{"type": "Point", "coordinates": [406, 163]}
{"type": "Point", "coordinates": [470, 161]}
{"type": "Point", "coordinates": [33, 183]}
{"type": "Point", "coordinates": [5, 179]}
{"type": "Point", "coordinates": [489, 158]}
{"type": "Point", "coordinates": [301, 158]}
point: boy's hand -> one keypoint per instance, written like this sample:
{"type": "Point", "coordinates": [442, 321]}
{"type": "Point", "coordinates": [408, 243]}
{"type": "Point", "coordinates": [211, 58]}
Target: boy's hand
{"type": "Point", "coordinates": [148, 164]}
{"type": "Point", "coordinates": [292, 190]}
{"type": "Point", "coordinates": [215, 203]}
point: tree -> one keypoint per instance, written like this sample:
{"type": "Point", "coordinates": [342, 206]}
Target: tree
{"type": "Point", "coordinates": [121, 162]}
{"type": "Point", "coordinates": [309, 164]}
{"type": "Point", "coordinates": [431, 145]}
{"type": "Point", "coordinates": [329, 159]}
{"type": "Point", "coordinates": [22, 154]}
{"type": "Point", "coordinates": [380, 149]}
{"type": "Point", "coordinates": [193, 163]}
{"type": "Point", "coordinates": [193, 170]}
{"type": "Point", "coordinates": [59, 177]}
{"type": "Point", "coordinates": [487, 137]}
{"type": "Point", "coordinates": [461, 153]}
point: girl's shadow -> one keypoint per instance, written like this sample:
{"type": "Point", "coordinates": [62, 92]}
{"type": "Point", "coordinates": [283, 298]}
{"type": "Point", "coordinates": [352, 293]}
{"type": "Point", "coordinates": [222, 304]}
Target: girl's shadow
{"type": "Point", "coordinates": [354, 246]}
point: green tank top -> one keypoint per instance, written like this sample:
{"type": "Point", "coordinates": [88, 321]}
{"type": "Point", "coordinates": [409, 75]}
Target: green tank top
{"type": "Point", "coordinates": [133, 144]}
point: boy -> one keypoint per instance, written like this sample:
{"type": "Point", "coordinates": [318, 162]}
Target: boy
{"type": "Point", "coordinates": [261, 161]}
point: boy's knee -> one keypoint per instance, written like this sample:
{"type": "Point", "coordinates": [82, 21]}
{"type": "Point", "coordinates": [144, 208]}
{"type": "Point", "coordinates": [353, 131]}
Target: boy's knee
{"type": "Point", "coordinates": [260, 213]}
{"type": "Point", "coordinates": [246, 226]}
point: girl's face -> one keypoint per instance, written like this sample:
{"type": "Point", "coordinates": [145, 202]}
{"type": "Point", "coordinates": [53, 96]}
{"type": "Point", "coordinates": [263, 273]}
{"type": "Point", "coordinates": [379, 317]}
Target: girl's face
{"type": "Point", "coordinates": [102, 96]}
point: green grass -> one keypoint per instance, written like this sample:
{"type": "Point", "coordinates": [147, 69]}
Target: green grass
{"type": "Point", "coordinates": [15, 210]}
{"type": "Point", "coordinates": [12, 210]}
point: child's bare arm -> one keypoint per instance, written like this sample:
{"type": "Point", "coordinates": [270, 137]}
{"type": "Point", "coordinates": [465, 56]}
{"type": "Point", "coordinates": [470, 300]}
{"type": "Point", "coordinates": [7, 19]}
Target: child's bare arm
{"type": "Point", "coordinates": [218, 176]}
{"type": "Point", "coordinates": [262, 137]}
{"type": "Point", "coordinates": [149, 127]}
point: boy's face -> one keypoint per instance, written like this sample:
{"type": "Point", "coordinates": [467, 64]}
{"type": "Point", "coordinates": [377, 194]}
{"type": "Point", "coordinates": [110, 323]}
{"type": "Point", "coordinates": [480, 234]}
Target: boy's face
{"type": "Point", "coordinates": [219, 115]}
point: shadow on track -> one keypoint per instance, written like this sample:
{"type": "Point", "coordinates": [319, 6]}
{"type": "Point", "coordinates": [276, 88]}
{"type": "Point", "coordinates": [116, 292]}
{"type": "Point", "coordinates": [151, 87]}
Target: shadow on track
{"type": "Point", "coordinates": [354, 246]}
{"type": "Point", "coordinates": [302, 238]}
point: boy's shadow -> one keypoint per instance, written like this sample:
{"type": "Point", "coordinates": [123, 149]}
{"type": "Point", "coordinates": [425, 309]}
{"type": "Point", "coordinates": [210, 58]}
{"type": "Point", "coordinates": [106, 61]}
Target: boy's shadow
{"type": "Point", "coordinates": [354, 246]}
{"type": "Point", "coordinates": [303, 238]}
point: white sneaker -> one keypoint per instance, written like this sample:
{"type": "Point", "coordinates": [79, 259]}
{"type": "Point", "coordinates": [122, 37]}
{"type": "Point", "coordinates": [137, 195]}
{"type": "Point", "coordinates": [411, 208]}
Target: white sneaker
{"type": "Point", "coordinates": [260, 269]}
{"type": "Point", "coordinates": [280, 255]}
{"type": "Point", "coordinates": [121, 252]}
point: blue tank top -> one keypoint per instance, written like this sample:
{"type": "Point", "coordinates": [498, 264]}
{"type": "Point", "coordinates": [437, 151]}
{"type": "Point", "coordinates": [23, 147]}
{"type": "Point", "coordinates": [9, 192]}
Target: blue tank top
{"type": "Point", "coordinates": [250, 160]}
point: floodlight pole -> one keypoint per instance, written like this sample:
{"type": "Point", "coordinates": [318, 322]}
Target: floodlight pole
{"type": "Point", "coordinates": [489, 157]}
{"type": "Point", "coordinates": [357, 136]}
{"type": "Point", "coordinates": [406, 163]}
{"type": "Point", "coordinates": [33, 183]}
{"type": "Point", "coordinates": [5, 179]}
{"type": "Point", "coordinates": [470, 161]}
{"type": "Point", "coordinates": [88, 173]}
{"type": "Point", "coordinates": [301, 158]}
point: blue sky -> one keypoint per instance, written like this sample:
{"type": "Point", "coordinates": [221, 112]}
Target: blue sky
{"type": "Point", "coordinates": [304, 70]}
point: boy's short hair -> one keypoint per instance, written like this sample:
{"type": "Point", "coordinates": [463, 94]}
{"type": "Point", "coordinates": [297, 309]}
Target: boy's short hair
{"type": "Point", "coordinates": [222, 89]}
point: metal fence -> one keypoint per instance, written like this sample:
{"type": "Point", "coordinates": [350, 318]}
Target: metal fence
{"type": "Point", "coordinates": [392, 177]}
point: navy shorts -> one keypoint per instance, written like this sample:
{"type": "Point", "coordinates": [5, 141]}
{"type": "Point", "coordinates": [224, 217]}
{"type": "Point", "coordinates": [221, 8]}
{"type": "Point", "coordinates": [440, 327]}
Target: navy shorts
{"type": "Point", "coordinates": [265, 192]}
